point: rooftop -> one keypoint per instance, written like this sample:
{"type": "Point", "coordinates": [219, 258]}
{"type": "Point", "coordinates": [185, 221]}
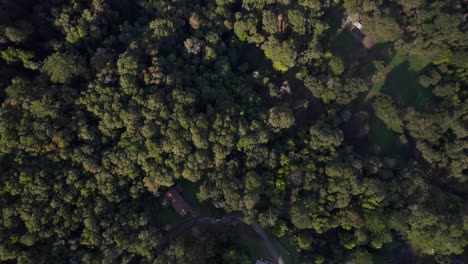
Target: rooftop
{"type": "Point", "coordinates": [177, 201]}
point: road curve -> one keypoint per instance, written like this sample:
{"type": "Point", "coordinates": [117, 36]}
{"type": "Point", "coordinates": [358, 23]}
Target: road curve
{"type": "Point", "coordinates": [229, 221]}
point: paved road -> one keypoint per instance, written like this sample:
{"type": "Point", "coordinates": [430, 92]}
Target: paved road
{"type": "Point", "coordinates": [228, 221]}
{"type": "Point", "coordinates": [267, 243]}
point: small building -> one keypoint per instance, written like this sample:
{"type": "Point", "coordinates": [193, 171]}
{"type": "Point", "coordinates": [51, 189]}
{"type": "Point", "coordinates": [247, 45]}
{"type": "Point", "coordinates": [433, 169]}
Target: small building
{"type": "Point", "coordinates": [177, 201]}
{"type": "Point", "coordinates": [357, 25]}
{"type": "Point", "coordinates": [256, 75]}
{"type": "Point", "coordinates": [285, 88]}
{"type": "Point", "coordinates": [352, 24]}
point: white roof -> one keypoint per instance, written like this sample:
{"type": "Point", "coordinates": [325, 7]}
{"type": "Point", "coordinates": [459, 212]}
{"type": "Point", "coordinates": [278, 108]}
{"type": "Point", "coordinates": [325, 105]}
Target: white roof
{"type": "Point", "coordinates": [357, 24]}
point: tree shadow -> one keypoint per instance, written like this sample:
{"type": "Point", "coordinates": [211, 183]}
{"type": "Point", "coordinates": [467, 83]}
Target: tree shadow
{"type": "Point", "coordinates": [305, 106]}
{"type": "Point", "coordinates": [383, 51]}
{"type": "Point", "coordinates": [348, 48]}
{"type": "Point", "coordinates": [402, 84]}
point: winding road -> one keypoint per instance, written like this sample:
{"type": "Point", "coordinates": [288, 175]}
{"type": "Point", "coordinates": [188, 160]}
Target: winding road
{"type": "Point", "coordinates": [228, 221]}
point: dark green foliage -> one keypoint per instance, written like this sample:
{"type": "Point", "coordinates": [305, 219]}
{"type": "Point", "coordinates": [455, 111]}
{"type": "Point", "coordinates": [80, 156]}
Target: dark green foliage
{"type": "Point", "coordinates": [342, 93]}
{"type": "Point", "coordinates": [106, 104]}
{"type": "Point", "coordinates": [325, 136]}
{"type": "Point", "coordinates": [19, 31]}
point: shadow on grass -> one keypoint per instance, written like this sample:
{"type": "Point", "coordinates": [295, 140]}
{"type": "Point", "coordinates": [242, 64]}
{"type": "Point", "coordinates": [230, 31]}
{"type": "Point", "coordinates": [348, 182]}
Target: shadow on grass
{"type": "Point", "coordinates": [403, 85]}
{"type": "Point", "coordinates": [402, 79]}
{"type": "Point", "coordinates": [348, 48]}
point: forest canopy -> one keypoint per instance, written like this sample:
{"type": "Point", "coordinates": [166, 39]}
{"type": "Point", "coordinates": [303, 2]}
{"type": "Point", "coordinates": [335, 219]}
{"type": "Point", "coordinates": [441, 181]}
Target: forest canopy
{"type": "Point", "coordinates": [339, 127]}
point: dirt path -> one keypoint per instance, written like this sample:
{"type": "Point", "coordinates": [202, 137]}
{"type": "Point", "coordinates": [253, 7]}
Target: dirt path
{"type": "Point", "coordinates": [227, 221]}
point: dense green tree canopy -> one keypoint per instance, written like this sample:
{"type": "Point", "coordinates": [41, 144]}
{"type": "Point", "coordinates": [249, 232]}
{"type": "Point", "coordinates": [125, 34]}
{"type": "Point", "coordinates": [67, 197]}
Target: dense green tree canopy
{"type": "Point", "coordinates": [63, 67]}
{"type": "Point", "coordinates": [340, 127]}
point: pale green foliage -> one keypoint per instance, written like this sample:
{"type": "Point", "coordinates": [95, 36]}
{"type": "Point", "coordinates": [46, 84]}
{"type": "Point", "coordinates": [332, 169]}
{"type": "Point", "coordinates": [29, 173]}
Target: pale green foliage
{"type": "Point", "coordinates": [424, 126]}
{"type": "Point", "coordinates": [192, 45]}
{"type": "Point", "coordinates": [209, 54]}
{"type": "Point", "coordinates": [128, 63]}
{"type": "Point", "coordinates": [224, 2]}
{"type": "Point", "coordinates": [410, 6]}
{"type": "Point", "coordinates": [377, 225]}
{"type": "Point", "coordinates": [350, 90]}
{"type": "Point", "coordinates": [245, 29]}
{"type": "Point", "coordinates": [158, 93]}
{"type": "Point", "coordinates": [374, 193]}
{"type": "Point", "coordinates": [358, 6]}
{"type": "Point", "coordinates": [387, 28]}
{"type": "Point", "coordinates": [304, 241]}
{"type": "Point", "coordinates": [257, 4]}
{"type": "Point", "coordinates": [253, 181]}
{"type": "Point", "coordinates": [282, 53]}
{"type": "Point", "coordinates": [75, 34]}
{"type": "Point", "coordinates": [162, 27]}
{"type": "Point", "coordinates": [341, 93]}
{"type": "Point", "coordinates": [269, 21]}
{"type": "Point", "coordinates": [336, 66]}
{"type": "Point", "coordinates": [63, 67]}
{"type": "Point", "coordinates": [323, 136]}
{"type": "Point", "coordinates": [460, 59]}
{"type": "Point", "coordinates": [319, 89]}
{"type": "Point", "coordinates": [250, 199]}
{"type": "Point", "coordinates": [315, 5]}
{"type": "Point", "coordinates": [280, 117]}
{"type": "Point", "coordinates": [300, 217]}
{"type": "Point", "coordinates": [386, 111]}
{"type": "Point", "coordinates": [362, 256]}
{"type": "Point", "coordinates": [298, 21]}
{"type": "Point", "coordinates": [434, 229]}
{"type": "Point", "coordinates": [11, 55]}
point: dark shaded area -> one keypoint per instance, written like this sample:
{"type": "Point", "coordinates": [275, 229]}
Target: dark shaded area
{"type": "Point", "coordinates": [226, 222]}
{"type": "Point", "coordinates": [403, 85]}
{"type": "Point", "coordinates": [305, 106]}
{"type": "Point", "coordinates": [349, 49]}
{"type": "Point", "coordinates": [168, 92]}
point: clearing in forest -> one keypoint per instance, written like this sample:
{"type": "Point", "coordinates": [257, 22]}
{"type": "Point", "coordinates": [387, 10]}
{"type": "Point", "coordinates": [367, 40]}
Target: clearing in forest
{"type": "Point", "coordinates": [402, 80]}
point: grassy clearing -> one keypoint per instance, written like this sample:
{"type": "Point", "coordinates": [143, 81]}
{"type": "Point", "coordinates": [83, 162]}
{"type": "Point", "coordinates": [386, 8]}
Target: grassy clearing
{"type": "Point", "coordinates": [285, 248]}
{"type": "Point", "coordinates": [287, 252]}
{"type": "Point", "coordinates": [404, 69]}
{"type": "Point", "coordinates": [388, 140]}
{"type": "Point", "coordinates": [402, 84]}
{"type": "Point", "coordinates": [253, 246]}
